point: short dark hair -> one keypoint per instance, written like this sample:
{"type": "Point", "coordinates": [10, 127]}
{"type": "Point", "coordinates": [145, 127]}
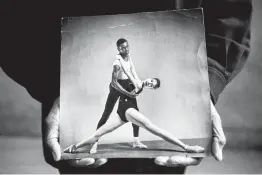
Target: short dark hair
{"type": "Point", "coordinates": [120, 41]}
{"type": "Point", "coordinates": [157, 84]}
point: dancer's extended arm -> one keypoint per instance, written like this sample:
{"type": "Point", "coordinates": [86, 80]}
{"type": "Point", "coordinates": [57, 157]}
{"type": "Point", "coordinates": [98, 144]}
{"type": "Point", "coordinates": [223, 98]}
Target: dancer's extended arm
{"type": "Point", "coordinates": [132, 75]}
{"type": "Point", "coordinates": [133, 70]}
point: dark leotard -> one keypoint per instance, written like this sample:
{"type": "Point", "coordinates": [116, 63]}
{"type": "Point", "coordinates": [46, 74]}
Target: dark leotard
{"type": "Point", "coordinates": [126, 102]}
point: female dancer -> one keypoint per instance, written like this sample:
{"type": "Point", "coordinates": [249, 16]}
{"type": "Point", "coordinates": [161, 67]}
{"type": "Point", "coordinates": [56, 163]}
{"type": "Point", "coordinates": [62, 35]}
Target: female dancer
{"type": "Point", "coordinates": [128, 112]}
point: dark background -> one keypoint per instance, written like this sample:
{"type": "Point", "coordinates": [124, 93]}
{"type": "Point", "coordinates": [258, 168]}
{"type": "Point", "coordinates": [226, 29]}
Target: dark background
{"type": "Point", "coordinates": [239, 106]}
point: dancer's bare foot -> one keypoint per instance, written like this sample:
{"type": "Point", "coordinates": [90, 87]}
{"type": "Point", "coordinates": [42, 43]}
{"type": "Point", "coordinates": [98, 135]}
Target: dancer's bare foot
{"type": "Point", "coordinates": [194, 149]}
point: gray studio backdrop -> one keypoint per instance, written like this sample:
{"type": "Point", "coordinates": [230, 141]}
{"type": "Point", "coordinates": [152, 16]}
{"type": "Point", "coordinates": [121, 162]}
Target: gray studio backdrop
{"type": "Point", "coordinates": [164, 45]}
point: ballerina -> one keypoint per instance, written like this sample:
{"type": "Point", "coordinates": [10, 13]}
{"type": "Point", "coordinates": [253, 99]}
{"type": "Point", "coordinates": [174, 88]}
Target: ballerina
{"type": "Point", "coordinates": [128, 112]}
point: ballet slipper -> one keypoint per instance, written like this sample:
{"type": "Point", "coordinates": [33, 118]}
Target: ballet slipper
{"type": "Point", "coordinates": [138, 144]}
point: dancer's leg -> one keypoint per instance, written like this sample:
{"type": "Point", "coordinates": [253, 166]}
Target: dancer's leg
{"type": "Point", "coordinates": [109, 106]}
{"type": "Point", "coordinates": [136, 142]}
{"type": "Point", "coordinates": [105, 129]}
{"type": "Point", "coordinates": [135, 130]}
{"type": "Point", "coordinates": [139, 119]}
{"type": "Point", "coordinates": [135, 127]}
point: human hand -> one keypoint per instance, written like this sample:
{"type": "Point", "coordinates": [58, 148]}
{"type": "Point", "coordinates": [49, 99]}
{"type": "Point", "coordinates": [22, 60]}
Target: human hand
{"type": "Point", "coordinates": [51, 139]}
{"type": "Point", "coordinates": [132, 94]}
{"type": "Point", "coordinates": [218, 142]}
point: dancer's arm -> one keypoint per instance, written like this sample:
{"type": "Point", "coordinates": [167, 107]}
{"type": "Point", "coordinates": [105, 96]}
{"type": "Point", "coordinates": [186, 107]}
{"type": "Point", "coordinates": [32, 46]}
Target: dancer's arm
{"type": "Point", "coordinates": [133, 77]}
{"type": "Point", "coordinates": [138, 83]}
{"type": "Point", "coordinates": [103, 130]}
{"type": "Point", "coordinates": [133, 70]}
{"type": "Point", "coordinates": [140, 120]}
{"type": "Point", "coordinates": [116, 85]}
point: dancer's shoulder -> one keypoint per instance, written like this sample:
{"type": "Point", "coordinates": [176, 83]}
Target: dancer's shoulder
{"type": "Point", "coordinates": [118, 56]}
{"type": "Point", "coordinates": [116, 62]}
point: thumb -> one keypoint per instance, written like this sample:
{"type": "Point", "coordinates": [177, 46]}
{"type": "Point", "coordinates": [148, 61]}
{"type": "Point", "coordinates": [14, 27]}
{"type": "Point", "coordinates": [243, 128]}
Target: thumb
{"type": "Point", "coordinates": [219, 139]}
{"type": "Point", "coordinates": [55, 149]}
{"type": "Point", "coordinates": [51, 133]}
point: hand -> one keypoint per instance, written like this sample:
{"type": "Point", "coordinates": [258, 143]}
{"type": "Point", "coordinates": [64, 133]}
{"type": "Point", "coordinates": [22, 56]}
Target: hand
{"type": "Point", "coordinates": [219, 141]}
{"type": "Point", "coordinates": [51, 137]}
{"type": "Point", "coordinates": [133, 94]}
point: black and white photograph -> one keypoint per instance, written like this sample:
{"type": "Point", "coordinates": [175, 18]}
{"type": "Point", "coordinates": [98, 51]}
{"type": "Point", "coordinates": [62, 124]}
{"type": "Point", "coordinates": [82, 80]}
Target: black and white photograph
{"type": "Point", "coordinates": [135, 85]}
{"type": "Point", "coordinates": [131, 87]}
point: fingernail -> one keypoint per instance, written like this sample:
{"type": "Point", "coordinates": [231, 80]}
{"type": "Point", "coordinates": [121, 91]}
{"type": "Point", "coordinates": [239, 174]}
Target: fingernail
{"type": "Point", "coordinates": [220, 156]}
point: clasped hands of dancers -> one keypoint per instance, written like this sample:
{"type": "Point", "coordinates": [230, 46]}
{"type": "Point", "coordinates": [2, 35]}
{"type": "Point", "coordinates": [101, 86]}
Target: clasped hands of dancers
{"type": "Point", "coordinates": [128, 112]}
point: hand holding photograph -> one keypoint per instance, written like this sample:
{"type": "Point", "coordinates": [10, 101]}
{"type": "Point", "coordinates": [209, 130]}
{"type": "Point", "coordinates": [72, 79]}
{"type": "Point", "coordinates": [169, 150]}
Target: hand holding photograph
{"type": "Point", "coordinates": [135, 86]}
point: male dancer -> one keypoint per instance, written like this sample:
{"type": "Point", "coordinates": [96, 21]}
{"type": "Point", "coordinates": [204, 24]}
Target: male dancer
{"type": "Point", "coordinates": [127, 71]}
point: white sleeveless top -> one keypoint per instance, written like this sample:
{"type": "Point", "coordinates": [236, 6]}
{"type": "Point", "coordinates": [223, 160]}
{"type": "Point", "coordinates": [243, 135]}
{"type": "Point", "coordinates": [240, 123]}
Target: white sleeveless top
{"type": "Point", "coordinates": [124, 65]}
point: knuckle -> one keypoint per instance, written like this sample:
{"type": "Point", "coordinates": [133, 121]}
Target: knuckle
{"type": "Point", "coordinates": [162, 161]}
{"type": "Point", "coordinates": [51, 142]}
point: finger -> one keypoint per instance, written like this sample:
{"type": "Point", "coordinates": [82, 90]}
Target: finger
{"type": "Point", "coordinates": [217, 149]}
{"type": "Point", "coordinates": [98, 162]}
{"type": "Point", "coordinates": [183, 161]}
{"type": "Point", "coordinates": [70, 149]}
{"type": "Point", "coordinates": [51, 134]}
{"type": "Point", "coordinates": [67, 150]}
{"type": "Point", "coordinates": [82, 162]}
{"type": "Point", "coordinates": [161, 160]}
{"type": "Point", "coordinates": [177, 161]}
{"type": "Point", "coordinates": [56, 150]}
{"type": "Point", "coordinates": [219, 139]}
{"type": "Point", "coordinates": [216, 121]}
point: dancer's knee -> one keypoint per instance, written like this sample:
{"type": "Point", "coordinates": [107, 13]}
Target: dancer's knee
{"type": "Point", "coordinates": [148, 125]}
{"type": "Point", "coordinates": [130, 116]}
{"type": "Point", "coordinates": [134, 117]}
